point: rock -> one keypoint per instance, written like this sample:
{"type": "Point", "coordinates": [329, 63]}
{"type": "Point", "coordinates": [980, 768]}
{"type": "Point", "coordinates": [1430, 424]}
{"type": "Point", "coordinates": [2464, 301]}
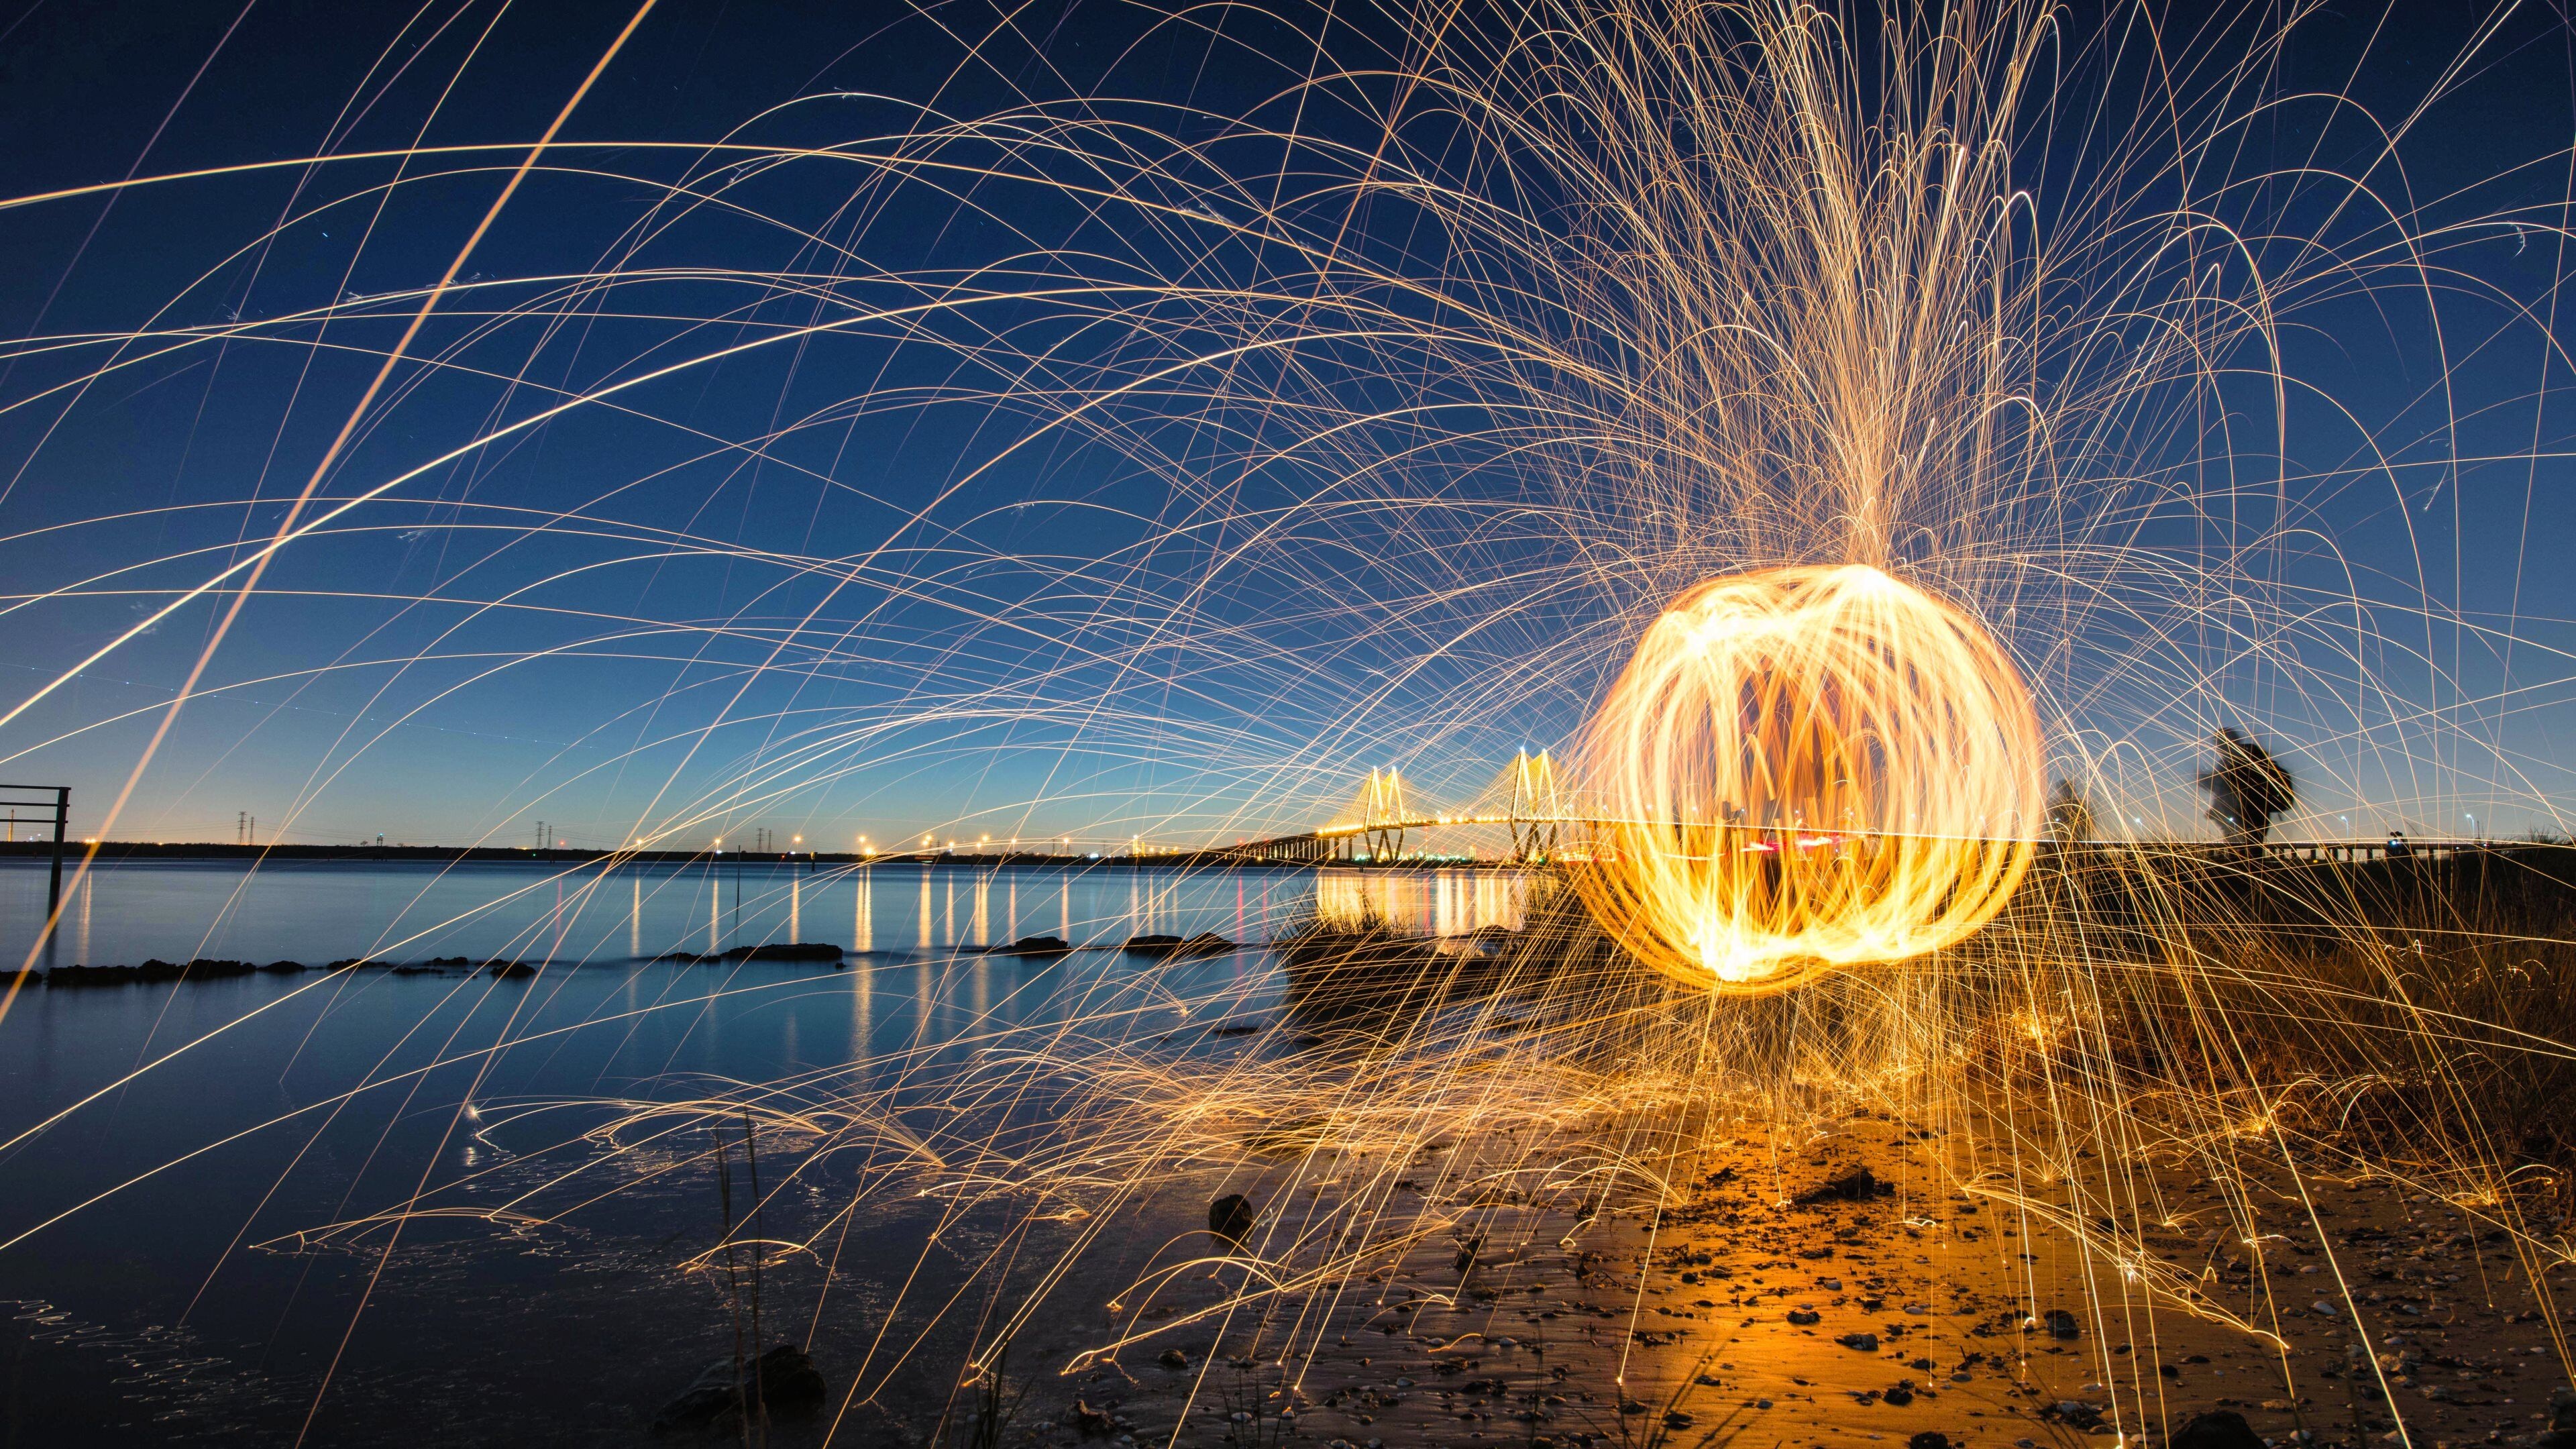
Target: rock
{"type": "Point", "coordinates": [1468, 1248]}
{"type": "Point", "coordinates": [1805, 1316]}
{"type": "Point", "coordinates": [783, 1383]}
{"type": "Point", "coordinates": [1929, 1439]}
{"type": "Point", "coordinates": [2061, 1324]}
{"type": "Point", "coordinates": [785, 951]}
{"type": "Point", "coordinates": [1676, 1419]}
{"type": "Point", "coordinates": [1230, 1217]}
{"type": "Point", "coordinates": [1857, 1186]}
{"type": "Point", "coordinates": [1035, 946]}
{"type": "Point", "coordinates": [1173, 948]}
{"type": "Point", "coordinates": [2561, 1433]}
{"type": "Point", "coordinates": [2217, 1429]}
{"type": "Point", "coordinates": [1865, 1342]}
{"type": "Point", "coordinates": [283, 968]}
{"type": "Point", "coordinates": [201, 969]}
{"type": "Point", "coordinates": [1090, 1420]}
{"type": "Point", "coordinates": [510, 970]}
{"type": "Point", "coordinates": [1901, 1395]}
{"type": "Point", "coordinates": [1173, 1358]}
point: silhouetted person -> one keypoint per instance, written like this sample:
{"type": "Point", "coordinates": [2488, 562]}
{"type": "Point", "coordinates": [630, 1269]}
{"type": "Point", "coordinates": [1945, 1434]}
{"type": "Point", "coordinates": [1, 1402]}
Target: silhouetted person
{"type": "Point", "coordinates": [2070, 815]}
{"type": "Point", "coordinates": [2247, 787]}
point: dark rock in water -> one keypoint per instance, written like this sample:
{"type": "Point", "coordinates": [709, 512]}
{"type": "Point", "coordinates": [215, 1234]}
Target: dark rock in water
{"type": "Point", "coordinates": [1173, 948]}
{"type": "Point", "coordinates": [785, 951]}
{"type": "Point", "coordinates": [1857, 1186]}
{"type": "Point", "coordinates": [1468, 1248]}
{"type": "Point", "coordinates": [1929, 1439]}
{"type": "Point", "coordinates": [2062, 1324]}
{"type": "Point", "coordinates": [355, 962]}
{"type": "Point", "coordinates": [1230, 1217]}
{"type": "Point", "coordinates": [2217, 1429]}
{"type": "Point", "coordinates": [1235, 1028]}
{"type": "Point", "coordinates": [1034, 946]}
{"type": "Point", "coordinates": [510, 970]}
{"type": "Point", "coordinates": [202, 969]}
{"type": "Point", "coordinates": [283, 968]}
{"type": "Point", "coordinates": [1090, 1420]}
{"type": "Point", "coordinates": [1173, 1358]}
{"type": "Point", "coordinates": [1901, 1395]}
{"type": "Point", "coordinates": [449, 961]}
{"type": "Point", "coordinates": [766, 951]}
{"type": "Point", "coordinates": [1805, 1317]}
{"type": "Point", "coordinates": [782, 1384]}
{"type": "Point", "coordinates": [1865, 1342]}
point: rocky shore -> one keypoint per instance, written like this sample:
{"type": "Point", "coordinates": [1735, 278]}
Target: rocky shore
{"type": "Point", "coordinates": [1839, 1291]}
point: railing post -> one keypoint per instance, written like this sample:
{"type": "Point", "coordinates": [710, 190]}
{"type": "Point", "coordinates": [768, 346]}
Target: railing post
{"type": "Point", "coordinates": [62, 818]}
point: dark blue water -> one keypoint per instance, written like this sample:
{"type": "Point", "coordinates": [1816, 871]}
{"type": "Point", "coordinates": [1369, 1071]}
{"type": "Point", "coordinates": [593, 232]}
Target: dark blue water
{"type": "Point", "coordinates": [371, 1199]}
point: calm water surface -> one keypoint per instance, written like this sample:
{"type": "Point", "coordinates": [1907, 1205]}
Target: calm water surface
{"type": "Point", "coordinates": [180, 1147]}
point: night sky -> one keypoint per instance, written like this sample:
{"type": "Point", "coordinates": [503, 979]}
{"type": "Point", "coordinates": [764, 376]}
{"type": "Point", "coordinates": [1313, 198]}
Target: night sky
{"type": "Point", "coordinates": [838, 580]}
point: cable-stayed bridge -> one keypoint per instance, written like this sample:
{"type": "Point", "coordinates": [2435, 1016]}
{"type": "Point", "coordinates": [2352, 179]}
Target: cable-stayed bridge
{"type": "Point", "coordinates": [1523, 798]}
{"type": "Point", "coordinates": [1542, 817]}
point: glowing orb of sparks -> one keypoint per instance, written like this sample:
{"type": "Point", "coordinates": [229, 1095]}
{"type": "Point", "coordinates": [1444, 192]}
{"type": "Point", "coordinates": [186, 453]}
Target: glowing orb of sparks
{"type": "Point", "coordinates": [1804, 769]}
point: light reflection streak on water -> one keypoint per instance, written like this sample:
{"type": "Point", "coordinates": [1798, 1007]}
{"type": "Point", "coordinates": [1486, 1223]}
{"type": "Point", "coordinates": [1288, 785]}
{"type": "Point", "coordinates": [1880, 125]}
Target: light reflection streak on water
{"type": "Point", "coordinates": [411, 912]}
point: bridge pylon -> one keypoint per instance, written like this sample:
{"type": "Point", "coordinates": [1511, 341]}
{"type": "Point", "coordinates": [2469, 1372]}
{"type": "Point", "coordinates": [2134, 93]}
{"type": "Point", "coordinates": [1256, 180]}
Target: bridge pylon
{"type": "Point", "coordinates": [1536, 811]}
{"type": "Point", "coordinates": [1382, 814]}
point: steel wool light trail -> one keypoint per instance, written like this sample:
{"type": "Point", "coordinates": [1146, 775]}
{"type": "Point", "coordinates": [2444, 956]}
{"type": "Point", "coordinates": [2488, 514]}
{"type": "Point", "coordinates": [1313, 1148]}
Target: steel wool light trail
{"type": "Point", "coordinates": [1804, 769]}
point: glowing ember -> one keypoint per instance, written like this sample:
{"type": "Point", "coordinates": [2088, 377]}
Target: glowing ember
{"type": "Point", "coordinates": [1807, 768]}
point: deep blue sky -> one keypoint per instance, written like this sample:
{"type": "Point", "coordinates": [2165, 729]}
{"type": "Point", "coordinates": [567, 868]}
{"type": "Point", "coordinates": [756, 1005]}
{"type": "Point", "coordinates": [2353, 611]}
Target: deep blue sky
{"type": "Point", "coordinates": [1069, 640]}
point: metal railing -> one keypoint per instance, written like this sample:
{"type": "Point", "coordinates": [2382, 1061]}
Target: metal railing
{"type": "Point", "coordinates": [61, 804]}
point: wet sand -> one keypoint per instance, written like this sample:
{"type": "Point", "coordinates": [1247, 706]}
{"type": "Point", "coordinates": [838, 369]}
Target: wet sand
{"type": "Point", "coordinates": [1862, 1316]}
